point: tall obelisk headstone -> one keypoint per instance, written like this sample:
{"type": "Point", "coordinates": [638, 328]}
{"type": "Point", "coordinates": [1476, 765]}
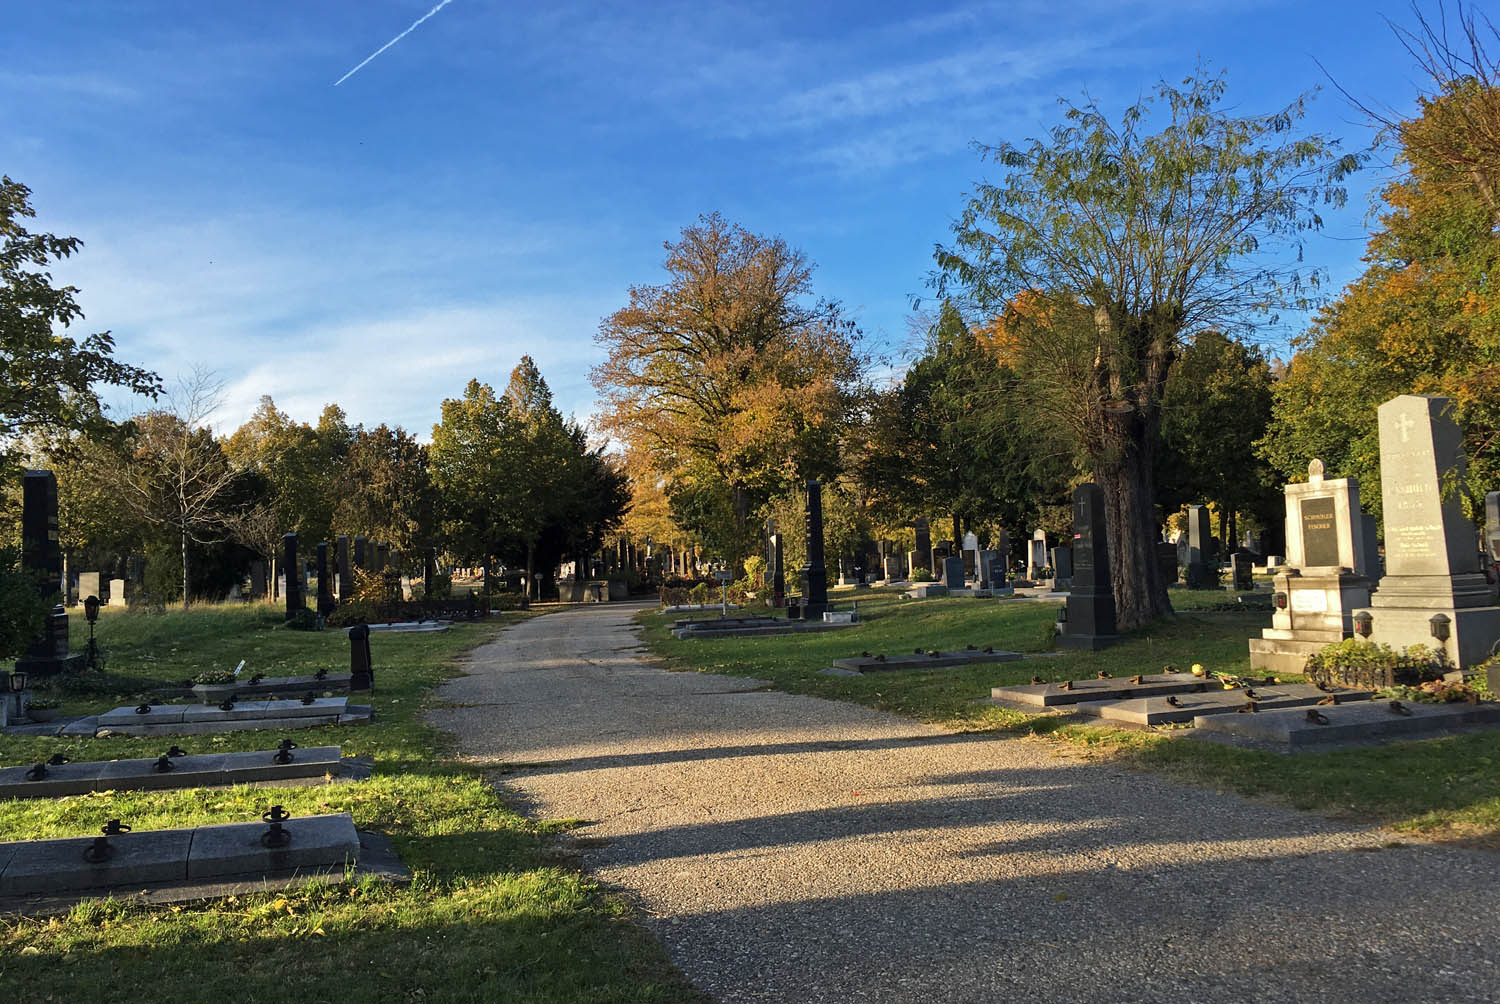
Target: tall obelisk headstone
{"type": "Point", "coordinates": [346, 574]}
{"type": "Point", "coordinates": [1091, 602]}
{"type": "Point", "coordinates": [325, 585]}
{"type": "Point", "coordinates": [1433, 592]}
{"type": "Point", "coordinates": [814, 574]}
{"type": "Point", "coordinates": [293, 571]}
{"type": "Point", "coordinates": [41, 556]}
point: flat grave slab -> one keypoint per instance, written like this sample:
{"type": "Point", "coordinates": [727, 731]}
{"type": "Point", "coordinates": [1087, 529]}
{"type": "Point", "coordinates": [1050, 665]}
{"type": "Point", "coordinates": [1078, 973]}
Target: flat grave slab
{"type": "Point", "coordinates": [1157, 710]}
{"type": "Point", "coordinates": [155, 714]}
{"type": "Point", "coordinates": [732, 627]}
{"type": "Point", "coordinates": [938, 660]}
{"type": "Point", "coordinates": [213, 693]}
{"type": "Point", "coordinates": [924, 590]}
{"type": "Point", "coordinates": [1354, 722]}
{"type": "Point", "coordinates": [1049, 695]}
{"type": "Point", "coordinates": [187, 772]}
{"type": "Point", "coordinates": [410, 627]}
{"type": "Point", "coordinates": [249, 715]}
{"type": "Point", "coordinates": [177, 855]}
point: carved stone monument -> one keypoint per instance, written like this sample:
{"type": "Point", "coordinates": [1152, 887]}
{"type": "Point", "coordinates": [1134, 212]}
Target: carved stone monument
{"type": "Point", "coordinates": [1036, 555]}
{"type": "Point", "coordinates": [1202, 565]}
{"type": "Point", "coordinates": [41, 556]}
{"type": "Point", "coordinates": [1090, 611]}
{"type": "Point", "coordinates": [921, 557]}
{"type": "Point", "coordinates": [345, 573]}
{"type": "Point", "coordinates": [1433, 591]}
{"type": "Point", "coordinates": [814, 575]}
{"type": "Point", "coordinates": [1318, 589]}
{"type": "Point", "coordinates": [293, 572]}
{"type": "Point", "coordinates": [326, 604]}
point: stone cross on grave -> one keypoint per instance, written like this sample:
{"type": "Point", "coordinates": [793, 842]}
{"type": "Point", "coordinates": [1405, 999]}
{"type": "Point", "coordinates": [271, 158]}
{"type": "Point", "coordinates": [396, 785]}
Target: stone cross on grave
{"type": "Point", "coordinates": [1404, 425]}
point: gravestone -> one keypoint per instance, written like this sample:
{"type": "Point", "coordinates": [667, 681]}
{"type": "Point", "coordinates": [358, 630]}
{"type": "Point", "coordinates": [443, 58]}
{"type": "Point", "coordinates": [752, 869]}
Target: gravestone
{"type": "Point", "coordinates": [1166, 561]}
{"type": "Point", "coordinates": [1433, 592]}
{"type": "Point", "coordinates": [991, 570]}
{"type": "Point", "coordinates": [846, 572]}
{"type": "Point", "coordinates": [361, 669]}
{"type": "Point", "coordinates": [1202, 557]}
{"type": "Point", "coordinates": [1242, 566]}
{"type": "Point", "coordinates": [41, 556]}
{"type": "Point", "coordinates": [1371, 569]}
{"type": "Point", "coordinates": [814, 575]}
{"type": "Point", "coordinates": [361, 555]}
{"type": "Point", "coordinates": [292, 589]}
{"type": "Point", "coordinates": [346, 574]}
{"type": "Point", "coordinates": [1317, 591]}
{"type": "Point", "coordinates": [429, 572]}
{"type": "Point", "coordinates": [971, 556]}
{"type": "Point", "coordinates": [1002, 544]}
{"type": "Point", "coordinates": [1090, 609]}
{"type": "Point", "coordinates": [1492, 527]}
{"type": "Point", "coordinates": [1036, 555]}
{"type": "Point", "coordinates": [117, 592]}
{"type": "Point", "coordinates": [1061, 560]}
{"type": "Point", "coordinates": [894, 567]}
{"type": "Point", "coordinates": [778, 571]}
{"type": "Point", "coordinates": [953, 572]}
{"type": "Point", "coordinates": [325, 586]}
{"type": "Point", "coordinates": [89, 585]}
{"type": "Point", "coordinates": [382, 557]}
{"type": "Point", "coordinates": [258, 579]}
{"type": "Point", "coordinates": [922, 556]}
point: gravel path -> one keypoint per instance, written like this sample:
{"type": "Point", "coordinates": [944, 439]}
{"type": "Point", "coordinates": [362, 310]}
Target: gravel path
{"type": "Point", "coordinates": [794, 849]}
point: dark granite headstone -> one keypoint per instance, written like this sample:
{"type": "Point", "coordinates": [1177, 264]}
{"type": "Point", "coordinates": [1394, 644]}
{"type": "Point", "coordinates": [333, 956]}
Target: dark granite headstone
{"type": "Point", "coordinates": [1243, 566]}
{"type": "Point", "coordinates": [361, 553]}
{"type": "Point", "coordinates": [41, 556]}
{"type": "Point", "coordinates": [1091, 603]}
{"type": "Point", "coordinates": [1166, 561]}
{"type": "Point", "coordinates": [814, 575]}
{"type": "Point", "coordinates": [382, 556]}
{"type": "Point", "coordinates": [778, 571]}
{"type": "Point", "coordinates": [429, 572]}
{"type": "Point", "coordinates": [1202, 557]}
{"type": "Point", "coordinates": [361, 671]}
{"type": "Point", "coordinates": [326, 604]}
{"type": "Point", "coordinates": [346, 574]}
{"type": "Point", "coordinates": [1061, 560]}
{"type": "Point", "coordinates": [924, 544]}
{"type": "Point", "coordinates": [991, 570]}
{"type": "Point", "coordinates": [292, 569]}
{"type": "Point", "coordinates": [953, 571]}
{"type": "Point", "coordinates": [258, 580]}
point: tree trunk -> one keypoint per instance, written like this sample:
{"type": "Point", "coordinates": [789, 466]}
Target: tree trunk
{"type": "Point", "coordinates": [531, 590]}
{"type": "Point", "coordinates": [1130, 522]}
{"type": "Point", "coordinates": [185, 595]}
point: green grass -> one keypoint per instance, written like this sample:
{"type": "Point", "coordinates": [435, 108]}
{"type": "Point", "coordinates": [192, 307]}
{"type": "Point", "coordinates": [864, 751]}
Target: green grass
{"type": "Point", "coordinates": [1443, 789]}
{"type": "Point", "coordinates": [495, 910]}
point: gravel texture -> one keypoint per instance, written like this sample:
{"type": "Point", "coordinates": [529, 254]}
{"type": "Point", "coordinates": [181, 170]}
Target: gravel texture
{"type": "Point", "coordinates": [793, 849]}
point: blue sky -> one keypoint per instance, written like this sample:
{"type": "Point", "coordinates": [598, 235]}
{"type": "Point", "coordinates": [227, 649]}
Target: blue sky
{"type": "Point", "coordinates": [493, 184]}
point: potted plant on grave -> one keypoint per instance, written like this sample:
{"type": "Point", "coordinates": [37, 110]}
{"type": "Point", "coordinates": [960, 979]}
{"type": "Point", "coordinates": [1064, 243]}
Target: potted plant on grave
{"type": "Point", "coordinates": [42, 709]}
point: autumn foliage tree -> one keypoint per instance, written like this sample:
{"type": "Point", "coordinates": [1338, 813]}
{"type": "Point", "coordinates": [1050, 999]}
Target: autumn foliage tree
{"type": "Point", "coordinates": [727, 379]}
{"type": "Point", "coordinates": [1132, 240]}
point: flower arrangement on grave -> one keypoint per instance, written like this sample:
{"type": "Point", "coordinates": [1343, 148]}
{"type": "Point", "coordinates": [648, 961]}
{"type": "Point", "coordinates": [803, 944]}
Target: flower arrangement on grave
{"type": "Point", "coordinates": [1355, 662]}
{"type": "Point", "coordinates": [43, 704]}
{"type": "Point", "coordinates": [1433, 692]}
{"type": "Point", "coordinates": [212, 677]}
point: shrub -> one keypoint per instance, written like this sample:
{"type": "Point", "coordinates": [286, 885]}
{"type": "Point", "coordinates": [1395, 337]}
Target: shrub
{"type": "Point", "coordinates": [921, 575]}
{"type": "Point", "coordinates": [509, 601]}
{"type": "Point", "coordinates": [755, 567]}
{"type": "Point", "coordinates": [442, 587]}
{"type": "Point", "coordinates": [1354, 662]}
{"type": "Point", "coordinates": [305, 619]}
{"type": "Point", "coordinates": [699, 593]}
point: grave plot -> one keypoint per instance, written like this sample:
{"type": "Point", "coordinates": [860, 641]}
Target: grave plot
{"type": "Point", "coordinates": [1353, 723]}
{"type": "Point", "coordinates": [277, 847]}
{"type": "Point", "coordinates": [736, 627]}
{"type": "Point", "coordinates": [1187, 707]}
{"type": "Point", "coordinates": [934, 659]}
{"type": "Point", "coordinates": [410, 627]}
{"type": "Point", "coordinates": [190, 719]}
{"type": "Point", "coordinates": [1064, 692]}
{"type": "Point", "coordinates": [173, 769]}
{"type": "Point", "coordinates": [214, 693]}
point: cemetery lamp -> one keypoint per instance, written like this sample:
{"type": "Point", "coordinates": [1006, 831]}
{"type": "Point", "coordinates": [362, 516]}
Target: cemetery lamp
{"type": "Point", "coordinates": [1363, 623]}
{"type": "Point", "coordinates": [1439, 626]}
{"type": "Point", "coordinates": [1281, 601]}
{"type": "Point", "coordinates": [17, 682]}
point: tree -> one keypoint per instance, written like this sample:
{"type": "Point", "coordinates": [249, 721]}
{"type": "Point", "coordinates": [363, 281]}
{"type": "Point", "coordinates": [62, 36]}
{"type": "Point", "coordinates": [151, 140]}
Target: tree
{"type": "Point", "coordinates": [297, 463]}
{"type": "Point", "coordinates": [1106, 245]}
{"type": "Point", "coordinates": [956, 435]}
{"type": "Point", "coordinates": [1424, 318]}
{"type": "Point", "coordinates": [175, 475]}
{"type": "Point", "coordinates": [384, 488]}
{"type": "Point", "coordinates": [47, 379]}
{"type": "Point", "coordinates": [1216, 406]}
{"type": "Point", "coordinates": [728, 379]}
{"type": "Point", "coordinates": [474, 449]}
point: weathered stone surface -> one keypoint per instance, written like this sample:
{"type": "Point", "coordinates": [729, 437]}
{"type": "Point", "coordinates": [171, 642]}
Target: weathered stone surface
{"type": "Point", "coordinates": [128, 717]}
{"type": "Point", "coordinates": [213, 693]}
{"type": "Point", "coordinates": [962, 657]}
{"type": "Point", "coordinates": [1157, 710]}
{"type": "Point", "coordinates": [239, 711]}
{"type": "Point", "coordinates": [925, 590]}
{"type": "Point", "coordinates": [1052, 695]}
{"type": "Point", "coordinates": [1354, 722]}
{"type": "Point", "coordinates": [749, 627]}
{"type": "Point", "coordinates": [187, 772]}
{"type": "Point", "coordinates": [38, 866]}
{"type": "Point", "coordinates": [64, 779]}
{"type": "Point", "coordinates": [236, 849]}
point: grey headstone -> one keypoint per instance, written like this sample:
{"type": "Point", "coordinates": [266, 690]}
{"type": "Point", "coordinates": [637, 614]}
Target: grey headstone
{"type": "Point", "coordinates": [1091, 603]}
{"type": "Point", "coordinates": [953, 572]}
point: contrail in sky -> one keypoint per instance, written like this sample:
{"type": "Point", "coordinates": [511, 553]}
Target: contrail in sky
{"type": "Point", "coordinates": [408, 31]}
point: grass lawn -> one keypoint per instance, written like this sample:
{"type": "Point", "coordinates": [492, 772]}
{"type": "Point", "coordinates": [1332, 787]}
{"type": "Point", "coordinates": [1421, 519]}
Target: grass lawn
{"type": "Point", "coordinates": [1447, 789]}
{"type": "Point", "coordinates": [494, 913]}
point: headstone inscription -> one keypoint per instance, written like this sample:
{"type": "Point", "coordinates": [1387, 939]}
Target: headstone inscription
{"type": "Point", "coordinates": [326, 604]}
{"type": "Point", "coordinates": [1313, 604]}
{"type": "Point", "coordinates": [346, 573]}
{"type": "Point", "coordinates": [814, 574]}
{"type": "Point", "coordinates": [1433, 592]}
{"type": "Point", "coordinates": [1090, 617]}
{"type": "Point", "coordinates": [293, 587]}
{"type": "Point", "coordinates": [41, 556]}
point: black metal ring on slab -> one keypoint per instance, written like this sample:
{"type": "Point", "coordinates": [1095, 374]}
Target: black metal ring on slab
{"type": "Point", "coordinates": [99, 851]}
{"type": "Point", "coordinates": [176, 751]}
{"type": "Point", "coordinates": [164, 763]}
{"type": "Point", "coordinates": [56, 760]}
{"type": "Point", "coordinates": [37, 773]}
{"type": "Point", "coordinates": [143, 709]}
{"type": "Point", "coordinates": [276, 836]}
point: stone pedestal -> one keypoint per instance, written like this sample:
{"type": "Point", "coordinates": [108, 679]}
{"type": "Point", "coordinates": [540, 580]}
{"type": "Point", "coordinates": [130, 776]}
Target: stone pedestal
{"type": "Point", "coordinates": [1433, 592]}
{"type": "Point", "coordinates": [1316, 594]}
